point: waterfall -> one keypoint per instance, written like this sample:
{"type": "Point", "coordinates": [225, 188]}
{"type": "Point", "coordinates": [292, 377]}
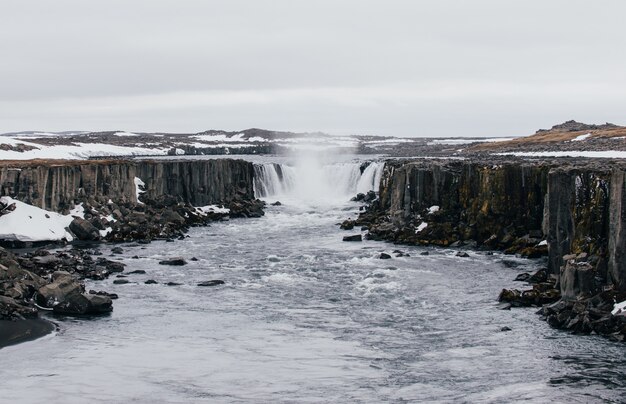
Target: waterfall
{"type": "Point", "coordinates": [312, 180]}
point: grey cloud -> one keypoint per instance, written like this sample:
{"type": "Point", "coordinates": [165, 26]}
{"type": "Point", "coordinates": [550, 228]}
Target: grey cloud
{"type": "Point", "coordinates": [309, 65]}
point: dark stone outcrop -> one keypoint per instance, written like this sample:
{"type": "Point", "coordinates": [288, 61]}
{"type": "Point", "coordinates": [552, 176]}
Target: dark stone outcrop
{"type": "Point", "coordinates": [52, 281]}
{"type": "Point", "coordinates": [106, 190]}
{"type": "Point", "coordinates": [84, 230]}
{"type": "Point", "coordinates": [574, 212]}
{"type": "Point", "coordinates": [510, 206]}
{"type": "Point", "coordinates": [213, 282]}
{"type": "Point", "coordinates": [58, 185]}
{"type": "Point", "coordinates": [173, 261]}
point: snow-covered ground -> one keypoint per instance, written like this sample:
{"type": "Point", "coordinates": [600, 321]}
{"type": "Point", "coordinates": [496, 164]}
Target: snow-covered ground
{"type": "Point", "coordinates": [581, 137]}
{"type": "Point", "coordinates": [30, 223]}
{"type": "Point", "coordinates": [73, 151]}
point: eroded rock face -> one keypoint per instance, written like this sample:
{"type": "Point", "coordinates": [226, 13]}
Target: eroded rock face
{"type": "Point", "coordinates": [57, 187]}
{"type": "Point", "coordinates": [617, 231]}
{"type": "Point", "coordinates": [512, 206]}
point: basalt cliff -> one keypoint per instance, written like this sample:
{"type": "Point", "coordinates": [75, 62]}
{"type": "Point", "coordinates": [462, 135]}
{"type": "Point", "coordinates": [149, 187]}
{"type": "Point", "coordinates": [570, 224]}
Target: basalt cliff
{"type": "Point", "coordinates": [120, 200]}
{"type": "Point", "coordinates": [572, 212]}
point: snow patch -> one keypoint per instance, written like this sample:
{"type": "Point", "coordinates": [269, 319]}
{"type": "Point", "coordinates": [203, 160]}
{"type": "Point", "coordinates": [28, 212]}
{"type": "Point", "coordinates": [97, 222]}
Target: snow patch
{"type": "Point", "coordinates": [30, 223]}
{"type": "Point", "coordinates": [78, 211]}
{"type": "Point", "coordinates": [421, 227]}
{"type": "Point", "coordinates": [78, 151]}
{"type": "Point", "coordinates": [138, 191]}
{"type": "Point", "coordinates": [581, 137]}
{"type": "Point", "coordinates": [543, 242]}
{"type": "Point", "coordinates": [433, 209]}
{"type": "Point", "coordinates": [212, 209]}
{"type": "Point", "coordinates": [105, 232]}
{"type": "Point", "coordinates": [619, 308]}
{"type": "Point", "coordinates": [125, 134]}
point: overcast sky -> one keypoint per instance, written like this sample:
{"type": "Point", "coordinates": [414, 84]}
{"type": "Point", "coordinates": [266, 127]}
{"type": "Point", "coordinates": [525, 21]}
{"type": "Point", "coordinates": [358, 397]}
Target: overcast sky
{"type": "Point", "coordinates": [405, 68]}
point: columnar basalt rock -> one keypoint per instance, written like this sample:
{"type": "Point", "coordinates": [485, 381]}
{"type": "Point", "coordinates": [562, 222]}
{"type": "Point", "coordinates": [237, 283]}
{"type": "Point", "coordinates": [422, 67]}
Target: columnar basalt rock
{"type": "Point", "coordinates": [617, 231]}
{"type": "Point", "coordinates": [513, 206]}
{"type": "Point", "coordinates": [490, 204]}
{"type": "Point", "coordinates": [58, 185]}
{"type": "Point", "coordinates": [574, 212]}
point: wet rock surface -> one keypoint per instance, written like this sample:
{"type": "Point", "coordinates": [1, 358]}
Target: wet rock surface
{"type": "Point", "coordinates": [52, 281]}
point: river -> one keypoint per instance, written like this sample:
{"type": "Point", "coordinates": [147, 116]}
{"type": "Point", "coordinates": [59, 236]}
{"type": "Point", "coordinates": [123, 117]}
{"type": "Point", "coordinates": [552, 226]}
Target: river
{"type": "Point", "coordinates": [306, 317]}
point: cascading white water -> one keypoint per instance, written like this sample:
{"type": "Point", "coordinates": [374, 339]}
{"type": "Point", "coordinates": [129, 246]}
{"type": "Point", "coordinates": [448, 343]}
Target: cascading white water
{"type": "Point", "coordinates": [311, 180]}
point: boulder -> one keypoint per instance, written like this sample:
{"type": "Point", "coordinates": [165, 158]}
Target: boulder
{"type": "Point", "coordinates": [169, 216]}
{"type": "Point", "coordinates": [84, 304]}
{"type": "Point", "coordinates": [347, 224]}
{"type": "Point", "coordinates": [83, 230]}
{"type": "Point", "coordinates": [213, 282]}
{"type": "Point", "coordinates": [355, 237]}
{"type": "Point", "coordinates": [384, 256]}
{"type": "Point", "coordinates": [11, 309]}
{"type": "Point", "coordinates": [173, 261]}
{"type": "Point", "coordinates": [61, 289]}
{"type": "Point", "coordinates": [577, 278]}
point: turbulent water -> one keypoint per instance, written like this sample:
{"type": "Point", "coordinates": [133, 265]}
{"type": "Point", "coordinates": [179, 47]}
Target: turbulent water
{"type": "Point", "coordinates": [305, 317]}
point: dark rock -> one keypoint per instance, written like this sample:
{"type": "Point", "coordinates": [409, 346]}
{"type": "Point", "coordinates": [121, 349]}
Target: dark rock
{"type": "Point", "coordinates": [277, 203]}
{"type": "Point", "coordinates": [505, 329]}
{"type": "Point", "coordinates": [84, 230]}
{"type": "Point", "coordinates": [62, 288]}
{"type": "Point", "coordinates": [539, 276]}
{"type": "Point", "coordinates": [193, 259]}
{"type": "Point", "coordinates": [213, 282]}
{"type": "Point", "coordinates": [523, 277]}
{"type": "Point", "coordinates": [111, 266]}
{"type": "Point", "coordinates": [355, 237]}
{"type": "Point", "coordinates": [137, 271]}
{"type": "Point", "coordinates": [173, 284]}
{"type": "Point", "coordinates": [84, 304]}
{"type": "Point", "coordinates": [462, 254]}
{"type": "Point", "coordinates": [424, 253]}
{"type": "Point", "coordinates": [577, 279]}
{"type": "Point", "coordinates": [173, 261]}
{"type": "Point", "coordinates": [151, 282]}
{"type": "Point", "coordinates": [347, 224]}
{"type": "Point", "coordinates": [384, 256]}
{"type": "Point", "coordinates": [121, 281]}
{"type": "Point", "coordinates": [112, 296]}
{"type": "Point", "coordinates": [117, 250]}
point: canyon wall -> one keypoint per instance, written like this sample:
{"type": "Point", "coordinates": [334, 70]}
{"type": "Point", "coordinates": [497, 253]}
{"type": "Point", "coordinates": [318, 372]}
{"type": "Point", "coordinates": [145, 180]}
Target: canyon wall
{"type": "Point", "coordinates": [577, 208]}
{"type": "Point", "coordinates": [57, 186]}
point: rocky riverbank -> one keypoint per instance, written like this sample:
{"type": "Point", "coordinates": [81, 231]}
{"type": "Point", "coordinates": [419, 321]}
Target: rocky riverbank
{"type": "Point", "coordinates": [572, 213]}
{"type": "Point", "coordinates": [53, 282]}
{"type": "Point", "coordinates": [111, 201]}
